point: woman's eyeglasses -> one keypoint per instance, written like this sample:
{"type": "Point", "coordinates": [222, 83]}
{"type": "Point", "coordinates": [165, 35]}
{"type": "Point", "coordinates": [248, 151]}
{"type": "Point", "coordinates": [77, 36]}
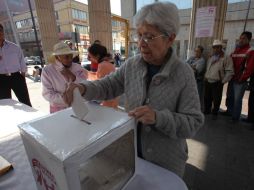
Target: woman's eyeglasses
{"type": "Point", "coordinates": [146, 39]}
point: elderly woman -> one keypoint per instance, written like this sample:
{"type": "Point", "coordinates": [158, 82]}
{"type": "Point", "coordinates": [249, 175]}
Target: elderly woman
{"type": "Point", "coordinates": [58, 74]}
{"type": "Point", "coordinates": [161, 92]}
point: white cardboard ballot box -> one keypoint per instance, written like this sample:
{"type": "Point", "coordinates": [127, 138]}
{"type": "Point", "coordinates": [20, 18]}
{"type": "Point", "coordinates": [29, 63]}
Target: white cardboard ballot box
{"type": "Point", "coordinates": [68, 154]}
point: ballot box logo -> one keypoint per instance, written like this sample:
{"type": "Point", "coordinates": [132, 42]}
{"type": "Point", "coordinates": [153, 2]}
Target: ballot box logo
{"type": "Point", "coordinates": [44, 177]}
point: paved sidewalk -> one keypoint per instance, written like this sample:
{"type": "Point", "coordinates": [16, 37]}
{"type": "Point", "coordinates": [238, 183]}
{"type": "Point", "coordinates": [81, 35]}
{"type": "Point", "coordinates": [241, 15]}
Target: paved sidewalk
{"type": "Point", "coordinates": [221, 155]}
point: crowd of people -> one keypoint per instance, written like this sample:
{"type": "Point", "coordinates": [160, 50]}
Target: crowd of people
{"type": "Point", "coordinates": [235, 69]}
{"type": "Point", "coordinates": [163, 93]}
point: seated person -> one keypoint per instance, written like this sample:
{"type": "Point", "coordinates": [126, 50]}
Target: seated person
{"type": "Point", "coordinates": [37, 73]}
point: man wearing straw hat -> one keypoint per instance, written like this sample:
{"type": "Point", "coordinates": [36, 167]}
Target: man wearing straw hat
{"type": "Point", "coordinates": [219, 70]}
{"type": "Point", "coordinates": [60, 71]}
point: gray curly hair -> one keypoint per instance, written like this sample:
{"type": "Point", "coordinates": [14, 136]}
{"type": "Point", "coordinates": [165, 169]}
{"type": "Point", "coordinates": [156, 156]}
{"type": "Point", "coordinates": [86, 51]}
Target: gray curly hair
{"type": "Point", "coordinates": [162, 15]}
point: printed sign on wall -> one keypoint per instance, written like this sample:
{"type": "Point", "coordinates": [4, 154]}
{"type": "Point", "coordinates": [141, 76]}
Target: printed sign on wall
{"type": "Point", "coordinates": [205, 18]}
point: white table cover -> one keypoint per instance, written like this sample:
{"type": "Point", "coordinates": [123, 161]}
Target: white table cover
{"type": "Point", "coordinates": [13, 113]}
{"type": "Point", "coordinates": [148, 175]}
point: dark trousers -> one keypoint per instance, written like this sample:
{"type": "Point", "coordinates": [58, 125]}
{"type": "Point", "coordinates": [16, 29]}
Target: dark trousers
{"type": "Point", "coordinates": [251, 100]}
{"type": "Point", "coordinates": [200, 85]}
{"type": "Point", "coordinates": [251, 107]}
{"type": "Point", "coordinates": [230, 97]}
{"type": "Point", "coordinates": [212, 97]}
{"type": "Point", "coordinates": [17, 83]}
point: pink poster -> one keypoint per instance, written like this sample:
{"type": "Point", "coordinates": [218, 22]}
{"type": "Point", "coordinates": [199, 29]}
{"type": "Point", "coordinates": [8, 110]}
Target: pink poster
{"type": "Point", "coordinates": [205, 18]}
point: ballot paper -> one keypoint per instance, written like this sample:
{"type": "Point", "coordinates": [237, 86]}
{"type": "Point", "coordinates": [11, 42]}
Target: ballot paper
{"type": "Point", "coordinates": [79, 106]}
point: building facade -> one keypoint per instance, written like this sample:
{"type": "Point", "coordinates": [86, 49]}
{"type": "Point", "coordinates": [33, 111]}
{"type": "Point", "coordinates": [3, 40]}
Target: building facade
{"type": "Point", "coordinates": [234, 26]}
{"type": "Point", "coordinates": [72, 18]}
{"type": "Point", "coordinates": [72, 24]}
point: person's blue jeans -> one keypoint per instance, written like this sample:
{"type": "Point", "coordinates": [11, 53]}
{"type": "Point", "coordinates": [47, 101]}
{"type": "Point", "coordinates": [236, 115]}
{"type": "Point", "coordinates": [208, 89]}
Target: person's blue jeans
{"type": "Point", "coordinates": [238, 89]}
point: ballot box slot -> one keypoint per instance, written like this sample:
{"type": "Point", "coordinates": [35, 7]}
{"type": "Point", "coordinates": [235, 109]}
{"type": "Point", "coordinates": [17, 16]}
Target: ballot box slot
{"type": "Point", "coordinates": [87, 122]}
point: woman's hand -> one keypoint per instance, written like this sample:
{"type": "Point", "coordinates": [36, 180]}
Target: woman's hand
{"type": "Point", "coordinates": [68, 94]}
{"type": "Point", "coordinates": [68, 75]}
{"type": "Point", "coordinates": [144, 114]}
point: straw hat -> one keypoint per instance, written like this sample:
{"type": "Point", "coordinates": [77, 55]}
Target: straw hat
{"type": "Point", "coordinates": [62, 48]}
{"type": "Point", "coordinates": [217, 43]}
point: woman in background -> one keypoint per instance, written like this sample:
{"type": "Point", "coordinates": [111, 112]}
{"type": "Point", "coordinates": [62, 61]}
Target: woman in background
{"type": "Point", "coordinates": [98, 54]}
{"type": "Point", "coordinates": [58, 74]}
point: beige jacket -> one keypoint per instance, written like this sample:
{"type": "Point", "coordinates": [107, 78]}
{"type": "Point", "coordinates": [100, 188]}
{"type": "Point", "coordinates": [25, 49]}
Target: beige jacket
{"type": "Point", "coordinates": [220, 70]}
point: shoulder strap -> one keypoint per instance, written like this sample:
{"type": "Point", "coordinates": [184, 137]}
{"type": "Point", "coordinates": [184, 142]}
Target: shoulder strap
{"type": "Point", "coordinates": [245, 59]}
{"type": "Point", "coordinates": [244, 62]}
{"type": "Point", "coordinates": [250, 49]}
